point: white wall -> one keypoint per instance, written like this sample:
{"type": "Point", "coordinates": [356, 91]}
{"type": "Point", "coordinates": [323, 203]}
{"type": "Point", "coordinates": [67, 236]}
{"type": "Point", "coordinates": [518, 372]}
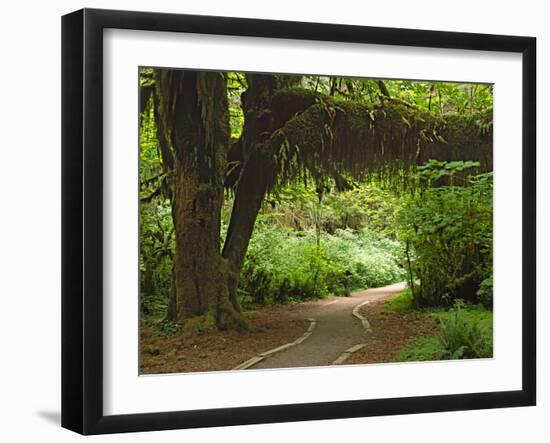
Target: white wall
{"type": "Point", "coordinates": [30, 219]}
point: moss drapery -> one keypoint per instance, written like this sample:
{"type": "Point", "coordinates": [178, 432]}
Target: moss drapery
{"type": "Point", "coordinates": [356, 139]}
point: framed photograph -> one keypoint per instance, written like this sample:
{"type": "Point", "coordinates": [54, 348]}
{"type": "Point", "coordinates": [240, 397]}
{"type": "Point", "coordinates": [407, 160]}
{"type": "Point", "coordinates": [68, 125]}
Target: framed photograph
{"type": "Point", "coordinates": [269, 221]}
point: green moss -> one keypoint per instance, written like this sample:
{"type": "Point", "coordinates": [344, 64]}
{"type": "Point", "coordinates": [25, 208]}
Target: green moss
{"type": "Point", "coordinates": [358, 139]}
{"type": "Point", "coordinates": [229, 317]}
{"type": "Point", "coordinates": [199, 325]}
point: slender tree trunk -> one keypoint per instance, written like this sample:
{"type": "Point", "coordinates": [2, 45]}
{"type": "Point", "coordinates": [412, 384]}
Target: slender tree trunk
{"type": "Point", "coordinates": [258, 171]}
{"type": "Point", "coordinates": [249, 195]}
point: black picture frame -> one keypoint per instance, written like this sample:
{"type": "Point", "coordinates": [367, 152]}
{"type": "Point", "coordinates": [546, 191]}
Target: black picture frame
{"type": "Point", "coordinates": [82, 218]}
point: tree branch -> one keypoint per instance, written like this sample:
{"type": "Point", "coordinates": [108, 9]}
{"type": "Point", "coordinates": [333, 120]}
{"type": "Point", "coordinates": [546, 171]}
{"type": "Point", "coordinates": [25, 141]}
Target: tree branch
{"type": "Point", "coordinates": [356, 139]}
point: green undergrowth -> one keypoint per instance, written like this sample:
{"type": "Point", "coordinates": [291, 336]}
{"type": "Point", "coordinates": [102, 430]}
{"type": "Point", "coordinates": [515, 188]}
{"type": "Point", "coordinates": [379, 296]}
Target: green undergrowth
{"type": "Point", "coordinates": [465, 331]}
{"type": "Point", "coordinates": [286, 266]}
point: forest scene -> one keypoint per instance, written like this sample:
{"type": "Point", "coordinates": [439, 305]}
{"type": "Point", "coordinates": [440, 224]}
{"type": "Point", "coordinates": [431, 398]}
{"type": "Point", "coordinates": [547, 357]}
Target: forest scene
{"type": "Point", "coordinates": [309, 220]}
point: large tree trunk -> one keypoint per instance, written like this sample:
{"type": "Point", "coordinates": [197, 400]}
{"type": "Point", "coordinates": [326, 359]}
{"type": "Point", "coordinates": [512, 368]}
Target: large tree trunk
{"type": "Point", "coordinates": [193, 109]}
{"type": "Point", "coordinates": [198, 282]}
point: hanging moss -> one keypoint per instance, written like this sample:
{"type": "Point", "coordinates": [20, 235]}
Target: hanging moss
{"type": "Point", "coordinates": [468, 138]}
{"type": "Point", "coordinates": [193, 118]}
{"type": "Point", "coordinates": [357, 139]}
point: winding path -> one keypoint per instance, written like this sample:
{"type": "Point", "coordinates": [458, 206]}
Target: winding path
{"type": "Point", "coordinates": [338, 332]}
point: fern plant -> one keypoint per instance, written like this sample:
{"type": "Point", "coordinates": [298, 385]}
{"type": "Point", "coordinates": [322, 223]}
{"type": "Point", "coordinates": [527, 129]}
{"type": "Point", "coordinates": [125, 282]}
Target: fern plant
{"type": "Point", "coordinates": [460, 338]}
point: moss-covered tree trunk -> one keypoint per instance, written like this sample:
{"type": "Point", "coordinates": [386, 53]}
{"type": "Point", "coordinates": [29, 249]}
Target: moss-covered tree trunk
{"type": "Point", "coordinates": [198, 278]}
{"type": "Point", "coordinates": [258, 170]}
{"type": "Point", "coordinates": [193, 109]}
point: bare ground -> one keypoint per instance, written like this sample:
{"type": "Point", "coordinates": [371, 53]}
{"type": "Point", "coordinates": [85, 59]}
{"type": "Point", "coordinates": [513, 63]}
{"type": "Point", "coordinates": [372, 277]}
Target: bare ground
{"type": "Point", "coordinates": [391, 331]}
{"type": "Point", "coordinates": [223, 350]}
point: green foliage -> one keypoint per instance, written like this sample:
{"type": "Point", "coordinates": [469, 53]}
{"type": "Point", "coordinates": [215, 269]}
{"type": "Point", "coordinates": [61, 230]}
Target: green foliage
{"type": "Point", "coordinates": [309, 242]}
{"type": "Point", "coordinates": [465, 331]}
{"type": "Point", "coordinates": [449, 229]}
{"type": "Point", "coordinates": [156, 226]}
{"type": "Point", "coordinates": [168, 327]}
{"type": "Point", "coordinates": [364, 206]}
{"type": "Point", "coordinates": [236, 84]}
{"type": "Point", "coordinates": [440, 97]}
{"type": "Point", "coordinates": [156, 245]}
{"type": "Point", "coordinates": [434, 172]}
{"type": "Point", "coordinates": [149, 159]}
{"type": "Point", "coordinates": [401, 303]}
{"type": "Point", "coordinates": [372, 260]}
{"type": "Point", "coordinates": [154, 305]}
{"type": "Point", "coordinates": [288, 266]}
{"type": "Point", "coordinates": [485, 292]}
{"type": "Point", "coordinates": [461, 337]}
{"type": "Point", "coordinates": [422, 349]}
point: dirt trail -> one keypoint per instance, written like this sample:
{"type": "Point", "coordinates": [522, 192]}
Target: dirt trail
{"type": "Point", "coordinates": [336, 331]}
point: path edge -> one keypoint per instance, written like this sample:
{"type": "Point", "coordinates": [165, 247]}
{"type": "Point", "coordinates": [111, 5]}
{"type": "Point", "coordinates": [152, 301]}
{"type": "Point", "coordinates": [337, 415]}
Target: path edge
{"type": "Point", "coordinates": [361, 317]}
{"type": "Point", "coordinates": [263, 355]}
{"type": "Point", "coordinates": [347, 353]}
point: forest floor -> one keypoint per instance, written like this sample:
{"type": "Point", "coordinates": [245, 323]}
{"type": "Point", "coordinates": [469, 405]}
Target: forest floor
{"type": "Point", "coordinates": [336, 331]}
{"type": "Point", "coordinates": [221, 350]}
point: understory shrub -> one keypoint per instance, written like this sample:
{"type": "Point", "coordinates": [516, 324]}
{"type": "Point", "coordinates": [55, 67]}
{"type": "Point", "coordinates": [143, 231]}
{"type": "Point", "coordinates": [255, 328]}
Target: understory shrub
{"type": "Point", "coordinates": [485, 292]}
{"type": "Point", "coordinates": [449, 231]}
{"type": "Point", "coordinates": [286, 265]}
